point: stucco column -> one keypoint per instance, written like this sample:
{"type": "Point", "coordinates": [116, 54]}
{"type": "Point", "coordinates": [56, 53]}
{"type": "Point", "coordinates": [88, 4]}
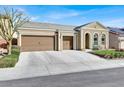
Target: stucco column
{"type": "Point", "coordinates": [107, 40]}
{"type": "Point", "coordinates": [91, 39]}
{"type": "Point", "coordinates": [74, 41]}
{"type": "Point", "coordinates": [99, 40]}
{"type": "Point", "coordinates": [59, 40]}
{"type": "Point", "coordinates": [19, 40]}
{"type": "Point", "coordinates": [81, 40]}
{"type": "Point", "coordinates": [56, 41]}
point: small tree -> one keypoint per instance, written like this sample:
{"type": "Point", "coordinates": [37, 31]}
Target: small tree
{"type": "Point", "coordinates": [10, 21]}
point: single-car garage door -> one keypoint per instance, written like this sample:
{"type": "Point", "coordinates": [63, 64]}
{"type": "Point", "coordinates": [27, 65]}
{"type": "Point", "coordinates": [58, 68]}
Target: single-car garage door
{"type": "Point", "coordinates": [37, 43]}
{"type": "Point", "coordinates": [67, 42]}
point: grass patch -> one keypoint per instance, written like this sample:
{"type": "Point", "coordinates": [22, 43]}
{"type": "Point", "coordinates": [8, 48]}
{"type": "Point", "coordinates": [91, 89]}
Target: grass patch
{"type": "Point", "coordinates": [10, 60]}
{"type": "Point", "coordinates": [110, 54]}
{"type": "Point", "coordinates": [104, 52]}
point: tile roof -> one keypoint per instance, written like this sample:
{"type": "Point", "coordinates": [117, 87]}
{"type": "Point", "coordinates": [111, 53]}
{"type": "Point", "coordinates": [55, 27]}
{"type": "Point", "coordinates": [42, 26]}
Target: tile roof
{"type": "Point", "coordinates": [39, 25]}
{"type": "Point", "coordinates": [120, 31]}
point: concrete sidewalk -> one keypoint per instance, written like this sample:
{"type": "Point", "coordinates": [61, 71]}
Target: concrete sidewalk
{"type": "Point", "coordinates": [33, 64]}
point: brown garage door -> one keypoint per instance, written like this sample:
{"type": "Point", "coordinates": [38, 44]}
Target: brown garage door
{"type": "Point", "coordinates": [67, 42]}
{"type": "Point", "coordinates": [37, 43]}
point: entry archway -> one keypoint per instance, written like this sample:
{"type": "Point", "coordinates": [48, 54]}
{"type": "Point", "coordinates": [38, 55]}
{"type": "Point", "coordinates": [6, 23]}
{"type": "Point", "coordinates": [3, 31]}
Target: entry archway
{"type": "Point", "coordinates": [87, 41]}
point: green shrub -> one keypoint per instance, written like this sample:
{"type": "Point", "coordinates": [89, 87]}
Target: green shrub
{"type": "Point", "coordinates": [110, 53]}
{"type": "Point", "coordinates": [10, 60]}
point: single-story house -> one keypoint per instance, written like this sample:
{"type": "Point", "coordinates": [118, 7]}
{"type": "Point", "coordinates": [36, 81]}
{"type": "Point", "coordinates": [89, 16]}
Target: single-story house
{"type": "Point", "coordinates": [36, 36]}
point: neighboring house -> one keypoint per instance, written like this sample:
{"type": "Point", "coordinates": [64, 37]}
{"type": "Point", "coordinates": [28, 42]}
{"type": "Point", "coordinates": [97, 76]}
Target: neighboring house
{"type": "Point", "coordinates": [2, 43]}
{"type": "Point", "coordinates": [34, 36]}
{"type": "Point", "coordinates": [116, 37]}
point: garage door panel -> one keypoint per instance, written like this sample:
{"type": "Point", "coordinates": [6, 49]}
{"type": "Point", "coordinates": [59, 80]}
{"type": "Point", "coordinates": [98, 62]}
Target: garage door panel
{"type": "Point", "coordinates": [35, 49]}
{"type": "Point", "coordinates": [37, 43]}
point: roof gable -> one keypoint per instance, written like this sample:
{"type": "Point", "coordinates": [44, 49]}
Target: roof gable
{"type": "Point", "coordinates": [93, 25]}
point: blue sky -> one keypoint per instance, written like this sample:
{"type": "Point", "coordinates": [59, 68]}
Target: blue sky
{"type": "Point", "coordinates": [75, 14]}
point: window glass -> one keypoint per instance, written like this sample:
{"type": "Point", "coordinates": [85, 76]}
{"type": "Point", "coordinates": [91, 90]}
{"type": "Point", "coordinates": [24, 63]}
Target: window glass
{"type": "Point", "coordinates": [103, 38]}
{"type": "Point", "coordinates": [95, 39]}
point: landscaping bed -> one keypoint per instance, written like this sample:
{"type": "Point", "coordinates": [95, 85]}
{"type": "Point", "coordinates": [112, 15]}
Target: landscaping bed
{"type": "Point", "coordinates": [10, 60]}
{"type": "Point", "coordinates": [109, 54]}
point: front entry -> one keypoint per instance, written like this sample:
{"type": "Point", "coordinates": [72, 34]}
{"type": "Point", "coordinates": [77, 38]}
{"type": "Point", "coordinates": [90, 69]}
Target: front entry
{"type": "Point", "coordinates": [87, 41]}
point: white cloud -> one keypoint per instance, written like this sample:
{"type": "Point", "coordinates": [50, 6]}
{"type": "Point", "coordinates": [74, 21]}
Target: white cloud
{"type": "Point", "coordinates": [34, 18]}
{"type": "Point", "coordinates": [115, 22]}
{"type": "Point", "coordinates": [62, 15]}
{"type": "Point", "coordinates": [58, 14]}
{"type": "Point", "coordinates": [21, 9]}
{"type": "Point", "coordinates": [27, 13]}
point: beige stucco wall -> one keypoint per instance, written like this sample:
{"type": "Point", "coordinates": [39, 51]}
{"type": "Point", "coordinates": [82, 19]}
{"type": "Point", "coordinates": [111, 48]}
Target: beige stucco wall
{"type": "Point", "coordinates": [121, 45]}
{"type": "Point", "coordinates": [91, 33]}
{"type": "Point", "coordinates": [78, 37]}
{"type": "Point", "coordinates": [58, 36]}
{"type": "Point", "coordinates": [37, 32]}
{"type": "Point", "coordinates": [116, 41]}
{"type": "Point", "coordinates": [121, 42]}
{"type": "Point", "coordinates": [113, 41]}
{"type": "Point", "coordinates": [60, 39]}
{"type": "Point", "coordinates": [91, 30]}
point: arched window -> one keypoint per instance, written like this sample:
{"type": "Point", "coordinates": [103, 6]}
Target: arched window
{"type": "Point", "coordinates": [103, 39]}
{"type": "Point", "coordinates": [95, 39]}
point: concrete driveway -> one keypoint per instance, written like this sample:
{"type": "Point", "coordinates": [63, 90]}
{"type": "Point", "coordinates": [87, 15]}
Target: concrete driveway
{"type": "Point", "coordinates": [32, 64]}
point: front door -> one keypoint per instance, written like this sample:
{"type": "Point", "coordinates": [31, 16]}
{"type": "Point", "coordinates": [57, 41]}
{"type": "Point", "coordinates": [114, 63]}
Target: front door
{"type": "Point", "coordinates": [87, 41]}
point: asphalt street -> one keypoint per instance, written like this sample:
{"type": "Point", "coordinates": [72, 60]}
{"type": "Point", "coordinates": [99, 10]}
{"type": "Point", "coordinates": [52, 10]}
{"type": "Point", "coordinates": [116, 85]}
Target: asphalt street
{"type": "Point", "coordinates": [99, 78]}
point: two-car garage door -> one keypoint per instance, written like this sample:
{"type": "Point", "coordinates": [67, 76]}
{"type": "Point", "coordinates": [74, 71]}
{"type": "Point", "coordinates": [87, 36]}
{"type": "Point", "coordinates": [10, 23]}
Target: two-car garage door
{"type": "Point", "coordinates": [43, 43]}
{"type": "Point", "coordinates": [37, 43]}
